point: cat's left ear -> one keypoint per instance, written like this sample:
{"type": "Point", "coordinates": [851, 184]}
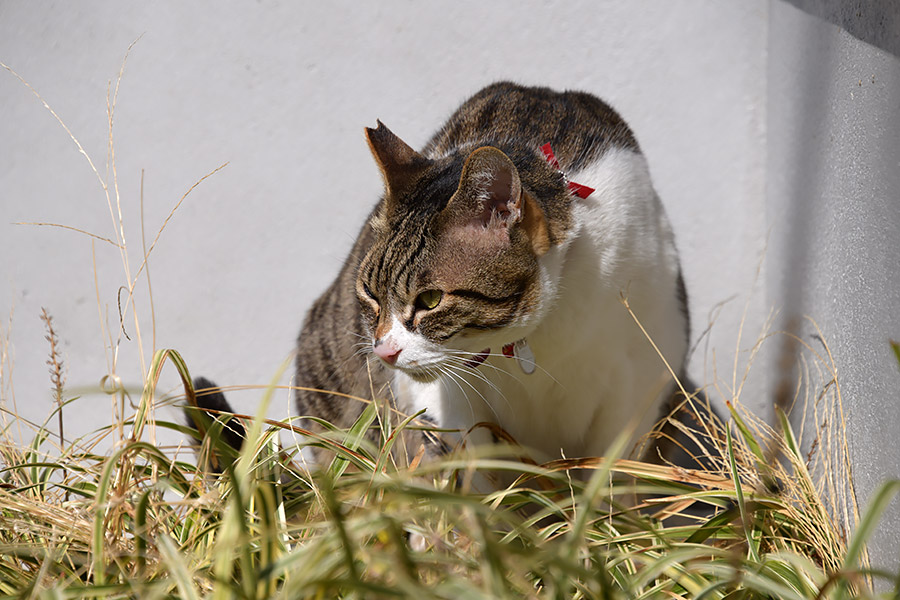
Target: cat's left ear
{"type": "Point", "coordinates": [490, 199]}
{"type": "Point", "coordinates": [490, 191]}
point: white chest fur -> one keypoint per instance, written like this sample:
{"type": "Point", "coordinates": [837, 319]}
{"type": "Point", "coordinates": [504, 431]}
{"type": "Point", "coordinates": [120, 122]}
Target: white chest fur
{"type": "Point", "coordinates": [597, 374]}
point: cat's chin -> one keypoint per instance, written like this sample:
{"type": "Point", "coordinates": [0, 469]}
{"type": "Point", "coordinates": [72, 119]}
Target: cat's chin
{"type": "Point", "coordinates": [420, 376]}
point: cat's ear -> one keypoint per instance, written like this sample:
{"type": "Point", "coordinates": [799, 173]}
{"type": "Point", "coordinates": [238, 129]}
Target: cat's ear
{"type": "Point", "coordinates": [397, 161]}
{"type": "Point", "coordinates": [490, 191]}
{"type": "Point", "coordinates": [490, 198]}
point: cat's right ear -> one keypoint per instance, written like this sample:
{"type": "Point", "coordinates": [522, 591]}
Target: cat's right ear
{"type": "Point", "coordinates": [399, 164]}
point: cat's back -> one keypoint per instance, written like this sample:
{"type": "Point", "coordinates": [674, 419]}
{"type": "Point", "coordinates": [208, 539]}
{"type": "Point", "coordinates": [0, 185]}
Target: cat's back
{"type": "Point", "coordinates": [579, 126]}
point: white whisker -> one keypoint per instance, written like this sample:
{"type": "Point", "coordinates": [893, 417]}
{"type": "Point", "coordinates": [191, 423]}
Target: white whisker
{"type": "Point", "coordinates": [530, 362]}
{"type": "Point", "coordinates": [464, 366]}
{"type": "Point", "coordinates": [448, 368]}
{"type": "Point", "coordinates": [447, 376]}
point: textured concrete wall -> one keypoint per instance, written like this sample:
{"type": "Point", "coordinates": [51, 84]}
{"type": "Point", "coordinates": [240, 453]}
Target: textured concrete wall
{"type": "Point", "coordinates": [833, 209]}
{"type": "Point", "coordinates": [745, 110]}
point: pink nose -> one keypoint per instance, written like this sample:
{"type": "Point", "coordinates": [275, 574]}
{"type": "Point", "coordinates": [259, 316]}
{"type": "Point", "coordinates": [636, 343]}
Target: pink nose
{"type": "Point", "coordinates": [386, 351]}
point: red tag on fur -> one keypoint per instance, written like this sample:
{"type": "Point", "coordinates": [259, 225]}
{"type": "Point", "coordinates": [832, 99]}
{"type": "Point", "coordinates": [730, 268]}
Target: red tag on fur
{"type": "Point", "coordinates": [582, 191]}
{"type": "Point", "coordinates": [551, 158]}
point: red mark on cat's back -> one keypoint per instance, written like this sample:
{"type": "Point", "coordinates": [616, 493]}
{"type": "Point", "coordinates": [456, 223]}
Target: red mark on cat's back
{"type": "Point", "coordinates": [582, 191]}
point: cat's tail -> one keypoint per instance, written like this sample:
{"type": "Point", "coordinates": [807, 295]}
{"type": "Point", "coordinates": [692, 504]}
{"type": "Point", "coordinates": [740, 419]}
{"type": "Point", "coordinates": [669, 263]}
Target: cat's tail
{"type": "Point", "coordinates": [225, 433]}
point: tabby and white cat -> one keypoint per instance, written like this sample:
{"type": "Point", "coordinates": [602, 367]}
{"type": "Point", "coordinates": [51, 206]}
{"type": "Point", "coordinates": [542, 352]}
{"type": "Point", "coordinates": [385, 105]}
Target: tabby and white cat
{"type": "Point", "coordinates": [485, 288]}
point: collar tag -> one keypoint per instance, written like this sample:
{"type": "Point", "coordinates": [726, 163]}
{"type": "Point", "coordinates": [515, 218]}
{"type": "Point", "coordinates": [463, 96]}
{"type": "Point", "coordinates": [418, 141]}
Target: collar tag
{"type": "Point", "coordinates": [521, 351]}
{"type": "Point", "coordinates": [525, 357]}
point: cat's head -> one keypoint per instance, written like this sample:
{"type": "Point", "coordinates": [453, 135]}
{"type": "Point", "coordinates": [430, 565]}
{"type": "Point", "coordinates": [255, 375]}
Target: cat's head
{"type": "Point", "coordinates": [455, 265]}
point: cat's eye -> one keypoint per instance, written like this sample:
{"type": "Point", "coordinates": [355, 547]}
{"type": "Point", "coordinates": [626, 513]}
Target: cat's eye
{"type": "Point", "coordinates": [368, 300]}
{"type": "Point", "coordinates": [428, 299]}
{"type": "Point", "coordinates": [369, 293]}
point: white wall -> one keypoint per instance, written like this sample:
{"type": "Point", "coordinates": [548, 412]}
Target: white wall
{"type": "Point", "coordinates": [281, 91]}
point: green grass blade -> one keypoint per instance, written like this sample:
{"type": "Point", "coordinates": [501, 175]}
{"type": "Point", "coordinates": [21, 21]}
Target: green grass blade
{"type": "Point", "coordinates": [148, 393]}
{"type": "Point", "coordinates": [392, 438]}
{"type": "Point", "coordinates": [747, 435]}
{"type": "Point", "coordinates": [174, 561]}
{"type": "Point", "coordinates": [869, 521]}
{"type": "Point", "coordinates": [141, 532]}
{"type": "Point", "coordinates": [742, 506]}
{"type": "Point", "coordinates": [353, 440]}
{"type": "Point", "coordinates": [788, 433]}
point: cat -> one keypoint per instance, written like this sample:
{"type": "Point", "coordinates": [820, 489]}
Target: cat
{"type": "Point", "coordinates": [489, 282]}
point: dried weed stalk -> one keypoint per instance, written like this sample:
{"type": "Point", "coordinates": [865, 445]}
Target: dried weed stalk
{"type": "Point", "coordinates": [57, 376]}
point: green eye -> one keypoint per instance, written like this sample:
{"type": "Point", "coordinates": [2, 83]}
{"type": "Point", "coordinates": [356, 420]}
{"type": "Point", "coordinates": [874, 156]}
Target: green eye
{"type": "Point", "coordinates": [429, 299]}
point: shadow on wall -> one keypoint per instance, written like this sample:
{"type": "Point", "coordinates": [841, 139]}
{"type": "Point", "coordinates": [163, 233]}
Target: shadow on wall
{"type": "Point", "coordinates": [798, 195]}
{"type": "Point", "coordinates": [876, 22]}
{"type": "Point", "coordinates": [833, 184]}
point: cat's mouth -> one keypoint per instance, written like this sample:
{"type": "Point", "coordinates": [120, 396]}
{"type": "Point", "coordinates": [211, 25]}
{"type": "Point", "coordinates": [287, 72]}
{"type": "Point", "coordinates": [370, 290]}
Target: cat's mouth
{"type": "Point", "coordinates": [417, 371]}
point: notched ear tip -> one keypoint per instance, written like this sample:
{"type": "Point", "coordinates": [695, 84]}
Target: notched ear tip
{"type": "Point", "coordinates": [379, 126]}
{"type": "Point", "coordinates": [397, 161]}
{"type": "Point", "coordinates": [374, 134]}
{"type": "Point", "coordinates": [390, 150]}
